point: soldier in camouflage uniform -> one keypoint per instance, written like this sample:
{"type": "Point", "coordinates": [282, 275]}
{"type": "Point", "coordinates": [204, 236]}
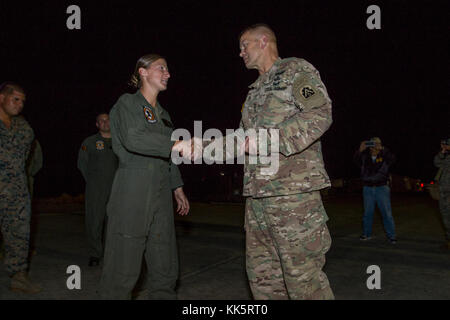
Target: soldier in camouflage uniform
{"type": "Point", "coordinates": [442, 161]}
{"type": "Point", "coordinates": [98, 163]}
{"type": "Point", "coordinates": [286, 232]}
{"type": "Point", "coordinates": [16, 137]}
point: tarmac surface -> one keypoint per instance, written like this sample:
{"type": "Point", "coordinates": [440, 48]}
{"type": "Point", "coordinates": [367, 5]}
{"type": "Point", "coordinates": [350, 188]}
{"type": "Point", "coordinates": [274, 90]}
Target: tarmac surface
{"type": "Point", "coordinates": [212, 255]}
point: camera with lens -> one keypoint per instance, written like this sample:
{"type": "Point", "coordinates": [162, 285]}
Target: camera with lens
{"type": "Point", "coordinates": [370, 144]}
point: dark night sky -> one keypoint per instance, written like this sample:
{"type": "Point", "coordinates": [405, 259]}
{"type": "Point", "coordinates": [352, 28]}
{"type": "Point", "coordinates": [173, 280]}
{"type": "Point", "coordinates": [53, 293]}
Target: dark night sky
{"type": "Point", "coordinates": [391, 83]}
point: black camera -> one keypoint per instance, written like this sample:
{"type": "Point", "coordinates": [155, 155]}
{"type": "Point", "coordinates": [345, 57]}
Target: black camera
{"type": "Point", "coordinates": [444, 142]}
{"type": "Point", "coordinates": [370, 144]}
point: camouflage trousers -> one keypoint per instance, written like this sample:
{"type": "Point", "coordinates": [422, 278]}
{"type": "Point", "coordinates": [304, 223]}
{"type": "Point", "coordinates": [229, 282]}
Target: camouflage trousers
{"type": "Point", "coordinates": [15, 215]}
{"type": "Point", "coordinates": [444, 206]}
{"type": "Point", "coordinates": [286, 242]}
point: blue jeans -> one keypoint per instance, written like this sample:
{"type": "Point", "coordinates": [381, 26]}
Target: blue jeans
{"type": "Point", "coordinates": [382, 197]}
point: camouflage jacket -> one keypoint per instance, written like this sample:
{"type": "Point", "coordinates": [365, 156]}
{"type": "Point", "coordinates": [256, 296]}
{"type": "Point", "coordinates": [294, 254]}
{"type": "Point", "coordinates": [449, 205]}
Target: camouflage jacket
{"type": "Point", "coordinates": [442, 161]}
{"type": "Point", "coordinates": [289, 97]}
{"type": "Point", "coordinates": [15, 144]}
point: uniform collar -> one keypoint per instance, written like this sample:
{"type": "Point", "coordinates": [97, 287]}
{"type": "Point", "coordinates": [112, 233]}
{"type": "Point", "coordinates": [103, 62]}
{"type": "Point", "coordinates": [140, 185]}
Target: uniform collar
{"type": "Point", "coordinates": [13, 125]}
{"type": "Point", "coordinates": [99, 136]}
{"type": "Point", "coordinates": [144, 102]}
{"type": "Point", "coordinates": [266, 76]}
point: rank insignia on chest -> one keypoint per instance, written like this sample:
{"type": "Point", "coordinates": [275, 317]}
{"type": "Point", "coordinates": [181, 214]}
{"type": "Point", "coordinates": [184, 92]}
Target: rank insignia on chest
{"type": "Point", "coordinates": [149, 115]}
{"type": "Point", "coordinates": [83, 148]}
{"type": "Point", "coordinates": [100, 145]}
{"type": "Point", "coordinates": [307, 92]}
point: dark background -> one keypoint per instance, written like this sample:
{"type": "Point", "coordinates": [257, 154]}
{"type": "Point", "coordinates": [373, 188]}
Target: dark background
{"type": "Point", "coordinates": [391, 83]}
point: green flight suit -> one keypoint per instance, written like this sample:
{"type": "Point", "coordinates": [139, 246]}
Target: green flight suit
{"type": "Point", "coordinates": [98, 163]}
{"type": "Point", "coordinates": [140, 209]}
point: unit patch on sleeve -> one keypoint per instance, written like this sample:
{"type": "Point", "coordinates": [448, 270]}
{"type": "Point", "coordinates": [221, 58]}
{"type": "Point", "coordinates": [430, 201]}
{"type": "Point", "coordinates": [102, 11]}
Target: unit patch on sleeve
{"type": "Point", "coordinates": [149, 115]}
{"type": "Point", "coordinates": [305, 90]}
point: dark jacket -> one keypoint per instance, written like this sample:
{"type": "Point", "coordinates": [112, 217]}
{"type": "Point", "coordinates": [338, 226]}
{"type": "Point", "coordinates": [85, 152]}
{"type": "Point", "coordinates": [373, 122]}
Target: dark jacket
{"type": "Point", "coordinates": [374, 173]}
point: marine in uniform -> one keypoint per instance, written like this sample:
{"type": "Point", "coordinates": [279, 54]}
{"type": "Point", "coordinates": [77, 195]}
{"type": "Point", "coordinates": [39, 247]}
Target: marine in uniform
{"type": "Point", "coordinates": [442, 161]}
{"type": "Point", "coordinates": [285, 220]}
{"type": "Point", "coordinates": [16, 137]}
{"type": "Point", "coordinates": [98, 163]}
{"type": "Point", "coordinates": [140, 209]}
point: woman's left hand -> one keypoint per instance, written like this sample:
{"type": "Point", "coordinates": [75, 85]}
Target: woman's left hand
{"type": "Point", "coordinates": [182, 201]}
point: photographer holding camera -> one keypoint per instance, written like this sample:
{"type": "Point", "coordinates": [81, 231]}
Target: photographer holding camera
{"type": "Point", "coordinates": [442, 161]}
{"type": "Point", "coordinates": [374, 160]}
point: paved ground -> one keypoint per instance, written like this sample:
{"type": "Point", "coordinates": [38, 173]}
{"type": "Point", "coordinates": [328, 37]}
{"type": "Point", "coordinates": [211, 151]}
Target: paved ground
{"type": "Point", "coordinates": [212, 261]}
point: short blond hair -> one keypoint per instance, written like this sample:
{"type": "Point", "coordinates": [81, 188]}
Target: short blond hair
{"type": "Point", "coordinates": [262, 29]}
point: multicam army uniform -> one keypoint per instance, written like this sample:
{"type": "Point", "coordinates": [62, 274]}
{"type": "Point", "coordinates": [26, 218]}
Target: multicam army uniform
{"type": "Point", "coordinates": [442, 161]}
{"type": "Point", "coordinates": [15, 207]}
{"type": "Point", "coordinates": [140, 209]}
{"type": "Point", "coordinates": [287, 236]}
{"type": "Point", "coordinates": [98, 163]}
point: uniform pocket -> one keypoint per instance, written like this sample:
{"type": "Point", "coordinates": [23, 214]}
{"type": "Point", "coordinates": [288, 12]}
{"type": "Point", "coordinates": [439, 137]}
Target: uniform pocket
{"type": "Point", "coordinates": [129, 206]}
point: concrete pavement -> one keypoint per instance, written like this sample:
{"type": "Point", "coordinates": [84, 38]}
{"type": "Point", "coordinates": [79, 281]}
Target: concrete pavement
{"type": "Point", "coordinates": [212, 255]}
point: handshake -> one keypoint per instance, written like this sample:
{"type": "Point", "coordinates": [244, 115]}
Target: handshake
{"type": "Point", "coordinates": [190, 150]}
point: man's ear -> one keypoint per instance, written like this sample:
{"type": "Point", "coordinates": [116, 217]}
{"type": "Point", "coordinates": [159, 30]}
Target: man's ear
{"type": "Point", "coordinates": [264, 42]}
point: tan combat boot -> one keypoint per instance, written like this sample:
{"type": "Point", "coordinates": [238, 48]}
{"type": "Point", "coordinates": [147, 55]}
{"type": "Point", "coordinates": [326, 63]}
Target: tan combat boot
{"type": "Point", "coordinates": [21, 283]}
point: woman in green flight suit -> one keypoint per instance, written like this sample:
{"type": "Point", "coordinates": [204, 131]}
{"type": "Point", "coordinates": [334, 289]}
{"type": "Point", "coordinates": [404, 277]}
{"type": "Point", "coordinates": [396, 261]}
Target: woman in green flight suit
{"type": "Point", "coordinates": [140, 209]}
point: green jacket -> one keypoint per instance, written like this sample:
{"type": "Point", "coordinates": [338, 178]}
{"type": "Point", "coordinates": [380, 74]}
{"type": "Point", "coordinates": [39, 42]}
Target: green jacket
{"type": "Point", "coordinates": [141, 136]}
{"type": "Point", "coordinates": [96, 159]}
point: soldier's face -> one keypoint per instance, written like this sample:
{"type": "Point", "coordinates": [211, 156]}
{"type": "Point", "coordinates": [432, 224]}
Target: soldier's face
{"type": "Point", "coordinates": [103, 123]}
{"type": "Point", "coordinates": [250, 50]}
{"type": "Point", "coordinates": [12, 104]}
{"type": "Point", "coordinates": [157, 75]}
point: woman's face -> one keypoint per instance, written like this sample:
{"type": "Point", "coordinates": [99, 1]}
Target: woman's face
{"type": "Point", "coordinates": [156, 75]}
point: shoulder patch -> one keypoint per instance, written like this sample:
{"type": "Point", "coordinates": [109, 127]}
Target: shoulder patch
{"type": "Point", "coordinates": [149, 115]}
{"type": "Point", "coordinates": [305, 90]}
{"type": "Point", "coordinates": [83, 148]}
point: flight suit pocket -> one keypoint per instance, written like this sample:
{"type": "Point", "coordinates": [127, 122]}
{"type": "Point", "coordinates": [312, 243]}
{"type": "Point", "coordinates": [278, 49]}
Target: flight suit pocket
{"type": "Point", "coordinates": [128, 207]}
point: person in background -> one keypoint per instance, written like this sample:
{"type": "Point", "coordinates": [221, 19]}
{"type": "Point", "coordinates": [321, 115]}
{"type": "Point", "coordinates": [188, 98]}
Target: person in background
{"type": "Point", "coordinates": [375, 161]}
{"type": "Point", "coordinates": [98, 164]}
{"type": "Point", "coordinates": [442, 161]}
{"type": "Point", "coordinates": [16, 137]}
